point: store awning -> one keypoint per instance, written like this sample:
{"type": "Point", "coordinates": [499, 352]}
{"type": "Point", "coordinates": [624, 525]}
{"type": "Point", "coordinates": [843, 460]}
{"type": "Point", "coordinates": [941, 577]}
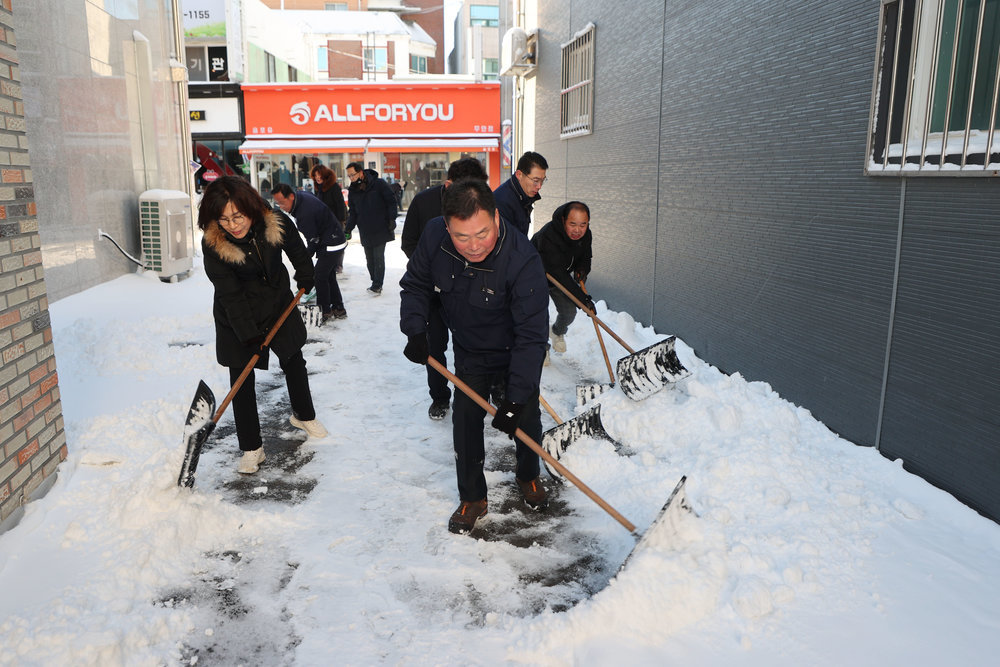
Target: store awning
{"type": "Point", "coordinates": [417, 145]}
{"type": "Point", "coordinates": [251, 146]}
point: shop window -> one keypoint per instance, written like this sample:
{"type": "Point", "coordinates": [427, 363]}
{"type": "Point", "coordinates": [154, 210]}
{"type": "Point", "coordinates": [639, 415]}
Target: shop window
{"type": "Point", "coordinates": [322, 59]}
{"type": "Point", "coordinates": [576, 98]}
{"type": "Point", "coordinates": [934, 99]}
{"type": "Point", "coordinates": [418, 64]}
{"type": "Point", "coordinates": [376, 59]}
{"type": "Point", "coordinates": [487, 16]}
{"type": "Point", "coordinates": [491, 69]}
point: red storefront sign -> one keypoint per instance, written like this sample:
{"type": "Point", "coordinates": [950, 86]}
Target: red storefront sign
{"type": "Point", "coordinates": [384, 110]}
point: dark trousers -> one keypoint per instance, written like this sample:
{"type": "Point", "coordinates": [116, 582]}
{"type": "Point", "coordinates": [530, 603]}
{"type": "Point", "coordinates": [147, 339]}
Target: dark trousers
{"type": "Point", "coordinates": [375, 257]}
{"type": "Point", "coordinates": [327, 289]}
{"type": "Point", "coordinates": [565, 311]}
{"type": "Point", "coordinates": [245, 401]}
{"type": "Point", "coordinates": [467, 430]}
{"type": "Point", "coordinates": [437, 343]}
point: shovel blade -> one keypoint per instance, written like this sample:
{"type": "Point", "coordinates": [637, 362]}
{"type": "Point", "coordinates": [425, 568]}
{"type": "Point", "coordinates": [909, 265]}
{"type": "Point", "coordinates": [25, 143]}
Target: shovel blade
{"type": "Point", "coordinates": [642, 374]}
{"type": "Point", "coordinates": [585, 393]}
{"type": "Point", "coordinates": [557, 439]}
{"type": "Point", "coordinates": [311, 314]}
{"type": "Point", "coordinates": [197, 427]}
{"type": "Point", "coordinates": [664, 526]}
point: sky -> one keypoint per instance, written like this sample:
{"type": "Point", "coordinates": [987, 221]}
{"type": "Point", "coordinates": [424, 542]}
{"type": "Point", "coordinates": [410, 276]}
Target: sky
{"type": "Point", "coordinates": [801, 548]}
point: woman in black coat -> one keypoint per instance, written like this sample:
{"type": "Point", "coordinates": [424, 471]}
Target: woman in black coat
{"type": "Point", "coordinates": [328, 189]}
{"type": "Point", "coordinates": [242, 246]}
{"type": "Point", "coordinates": [565, 246]}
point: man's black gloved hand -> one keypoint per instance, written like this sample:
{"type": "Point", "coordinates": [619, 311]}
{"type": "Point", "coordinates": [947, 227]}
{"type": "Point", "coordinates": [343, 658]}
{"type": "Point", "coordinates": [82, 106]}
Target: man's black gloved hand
{"type": "Point", "coordinates": [256, 344]}
{"type": "Point", "coordinates": [416, 348]}
{"type": "Point", "coordinates": [589, 303]}
{"type": "Point", "coordinates": [306, 283]}
{"type": "Point", "coordinates": [507, 416]}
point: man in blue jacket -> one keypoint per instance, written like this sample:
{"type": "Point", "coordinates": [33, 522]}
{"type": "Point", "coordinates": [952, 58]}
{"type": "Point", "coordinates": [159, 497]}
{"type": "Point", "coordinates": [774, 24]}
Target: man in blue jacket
{"type": "Point", "coordinates": [517, 195]}
{"type": "Point", "coordinates": [372, 209]}
{"type": "Point", "coordinates": [494, 298]}
{"type": "Point", "coordinates": [324, 239]}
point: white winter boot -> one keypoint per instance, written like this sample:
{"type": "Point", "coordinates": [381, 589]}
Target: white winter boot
{"type": "Point", "coordinates": [312, 427]}
{"type": "Point", "coordinates": [251, 461]}
{"type": "Point", "coordinates": [558, 342]}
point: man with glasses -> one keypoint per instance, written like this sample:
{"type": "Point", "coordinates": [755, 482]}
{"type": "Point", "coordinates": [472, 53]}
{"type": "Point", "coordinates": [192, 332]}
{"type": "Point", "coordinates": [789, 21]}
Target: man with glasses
{"type": "Point", "coordinates": [372, 209]}
{"type": "Point", "coordinates": [518, 194]}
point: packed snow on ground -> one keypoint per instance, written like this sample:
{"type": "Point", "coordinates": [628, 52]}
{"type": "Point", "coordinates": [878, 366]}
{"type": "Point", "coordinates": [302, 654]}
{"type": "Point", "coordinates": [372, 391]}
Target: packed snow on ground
{"type": "Point", "coordinates": [802, 548]}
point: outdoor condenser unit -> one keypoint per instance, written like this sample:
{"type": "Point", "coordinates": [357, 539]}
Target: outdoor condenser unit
{"type": "Point", "coordinates": [165, 228]}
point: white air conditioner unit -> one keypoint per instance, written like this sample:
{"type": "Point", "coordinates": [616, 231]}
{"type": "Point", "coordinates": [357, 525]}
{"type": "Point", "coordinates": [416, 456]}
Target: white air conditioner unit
{"type": "Point", "coordinates": [518, 52]}
{"type": "Point", "coordinates": [164, 228]}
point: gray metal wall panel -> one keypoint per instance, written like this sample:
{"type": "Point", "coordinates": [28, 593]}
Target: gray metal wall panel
{"type": "Point", "coordinates": [743, 221]}
{"type": "Point", "coordinates": [941, 414]}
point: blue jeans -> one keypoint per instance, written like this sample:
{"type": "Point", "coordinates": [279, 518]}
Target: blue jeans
{"type": "Point", "coordinates": [375, 257]}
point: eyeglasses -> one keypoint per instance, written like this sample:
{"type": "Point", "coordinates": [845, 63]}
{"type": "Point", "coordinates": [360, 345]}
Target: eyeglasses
{"type": "Point", "coordinates": [537, 181]}
{"type": "Point", "coordinates": [237, 219]}
{"type": "Point", "coordinates": [354, 176]}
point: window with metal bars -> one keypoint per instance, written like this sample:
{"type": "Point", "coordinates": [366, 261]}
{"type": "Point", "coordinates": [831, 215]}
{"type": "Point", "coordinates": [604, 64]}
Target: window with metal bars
{"type": "Point", "coordinates": [934, 97]}
{"type": "Point", "coordinates": [576, 99]}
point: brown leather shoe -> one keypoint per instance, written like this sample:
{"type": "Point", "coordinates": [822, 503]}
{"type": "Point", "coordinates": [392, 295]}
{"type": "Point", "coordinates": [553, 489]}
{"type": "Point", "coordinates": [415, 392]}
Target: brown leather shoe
{"type": "Point", "coordinates": [534, 494]}
{"type": "Point", "coordinates": [465, 517]}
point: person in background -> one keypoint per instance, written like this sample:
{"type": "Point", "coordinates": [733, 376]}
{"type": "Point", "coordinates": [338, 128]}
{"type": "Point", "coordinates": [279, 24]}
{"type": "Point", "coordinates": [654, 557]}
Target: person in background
{"type": "Point", "coordinates": [324, 239]}
{"type": "Point", "coordinates": [565, 244]}
{"type": "Point", "coordinates": [242, 245]}
{"type": "Point", "coordinates": [331, 194]}
{"type": "Point", "coordinates": [426, 206]}
{"type": "Point", "coordinates": [372, 209]}
{"type": "Point", "coordinates": [493, 295]}
{"type": "Point", "coordinates": [517, 195]}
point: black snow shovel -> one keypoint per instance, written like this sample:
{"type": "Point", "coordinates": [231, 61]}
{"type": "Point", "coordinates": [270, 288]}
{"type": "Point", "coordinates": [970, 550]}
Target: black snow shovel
{"type": "Point", "coordinates": [674, 505]}
{"type": "Point", "coordinates": [641, 374]}
{"type": "Point", "coordinates": [563, 434]}
{"type": "Point", "coordinates": [200, 423]}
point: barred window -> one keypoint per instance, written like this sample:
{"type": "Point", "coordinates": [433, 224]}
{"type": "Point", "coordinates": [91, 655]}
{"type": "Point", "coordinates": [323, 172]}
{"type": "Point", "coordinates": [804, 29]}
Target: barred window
{"type": "Point", "coordinates": [576, 100]}
{"type": "Point", "coordinates": [934, 98]}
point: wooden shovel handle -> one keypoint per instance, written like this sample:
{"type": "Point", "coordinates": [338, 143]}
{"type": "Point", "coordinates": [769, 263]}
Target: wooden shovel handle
{"type": "Point", "coordinates": [548, 408]}
{"type": "Point", "coordinates": [523, 437]}
{"type": "Point", "coordinates": [253, 360]}
{"type": "Point", "coordinates": [600, 339]}
{"type": "Point", "coordinates": [589, 312]}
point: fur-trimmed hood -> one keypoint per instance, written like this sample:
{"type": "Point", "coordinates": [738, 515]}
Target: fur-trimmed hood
{"type": "Point", "coordinates": [219, 242]}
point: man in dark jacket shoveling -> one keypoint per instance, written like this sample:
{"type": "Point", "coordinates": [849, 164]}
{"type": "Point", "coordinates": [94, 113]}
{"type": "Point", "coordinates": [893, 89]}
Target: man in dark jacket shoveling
{"type": "Point", "coordinates": [493, 294]}
{"type": "Point", "coordinates": [565, 244]}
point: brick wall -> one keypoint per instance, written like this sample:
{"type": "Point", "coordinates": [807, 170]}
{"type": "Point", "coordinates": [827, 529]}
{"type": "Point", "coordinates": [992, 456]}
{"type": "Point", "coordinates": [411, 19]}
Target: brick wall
{"type": "Point", "coordinates": [32, 439]}
{"type": "Point", "coordinates": [345, 61]}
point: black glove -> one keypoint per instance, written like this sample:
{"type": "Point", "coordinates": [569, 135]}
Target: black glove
{"type": "Point", "coordinates": [306, 283]}
{"type": "Point", "coordinates": [589, 303]}
{"type": "Point", "coordinates": [507, 416]}
{"type": "Point", "coordinates": [416, 348]}
{"type": "Point", "coordinates": [347, 236]}
{"type": "Point", "coordinates": [256, 343]}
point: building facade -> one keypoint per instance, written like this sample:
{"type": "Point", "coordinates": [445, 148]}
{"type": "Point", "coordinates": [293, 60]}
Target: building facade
{"type": "Point", "coordinates": [758, 189]}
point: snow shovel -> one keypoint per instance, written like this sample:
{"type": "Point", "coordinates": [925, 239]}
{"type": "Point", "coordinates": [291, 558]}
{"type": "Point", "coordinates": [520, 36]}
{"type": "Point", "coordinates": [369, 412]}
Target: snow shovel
{"type": "Point", "coordinates": [641, 374]}
{"type": "Point", "coordinates": [675, 504]}
{"type": "Point", "coordinates": [538, 449]}
{"type": "Point", "coordinates": [200, 423]}
{"type": "Point", "coordinates": [585, 393]}
{"type": "Point", "coordinates": [558, 438]}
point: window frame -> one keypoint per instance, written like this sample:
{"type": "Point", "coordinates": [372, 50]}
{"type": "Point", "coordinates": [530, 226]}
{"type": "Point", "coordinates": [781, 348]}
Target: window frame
{"type": "Point", "coordinates": [926, 47]}
{"type": "Point", "coordinates": [576, 94]}
{"type": "Point", "coordinates": [490, 21]}
{"type": "Point", "coordinates": [375, 67]}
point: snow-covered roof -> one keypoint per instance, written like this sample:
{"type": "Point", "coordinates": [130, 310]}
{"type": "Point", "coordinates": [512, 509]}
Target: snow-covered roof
{"type": "Point", "coordinates": [418, 34]}
{"type": "Point", "coordinates": [348, 23]}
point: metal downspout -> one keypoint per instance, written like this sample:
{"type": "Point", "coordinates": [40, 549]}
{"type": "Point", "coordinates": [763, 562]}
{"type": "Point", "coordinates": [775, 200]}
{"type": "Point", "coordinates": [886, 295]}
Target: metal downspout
{"type": "Point", "coordinates": [659, 148]}
{"type": "Point", "coordinates": [892, 314]}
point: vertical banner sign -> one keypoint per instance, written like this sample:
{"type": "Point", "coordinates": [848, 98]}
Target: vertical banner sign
{"type": "Point", "coordinates": [506, 142]}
